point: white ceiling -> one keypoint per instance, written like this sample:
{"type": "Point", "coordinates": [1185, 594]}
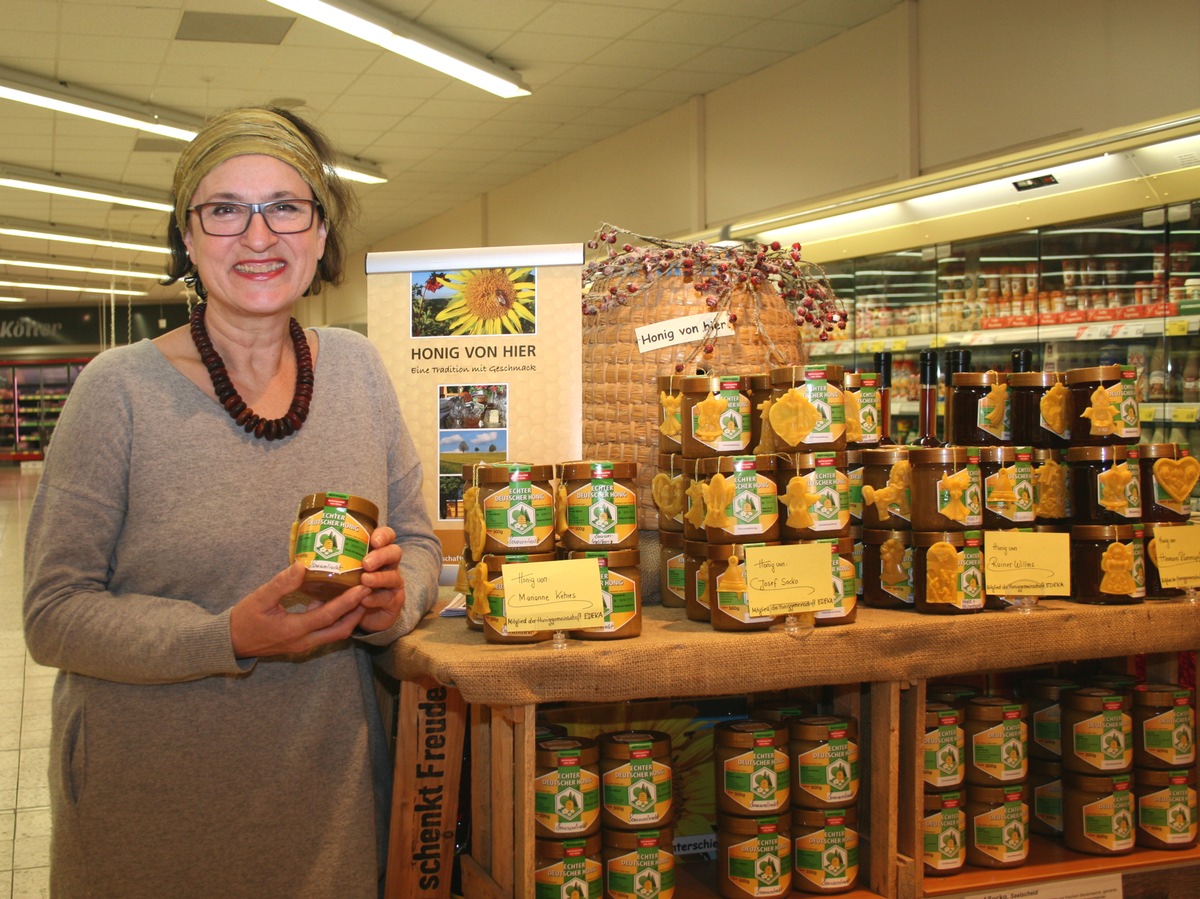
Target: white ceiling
{"type": "Point", "coordinates": [595, 69]}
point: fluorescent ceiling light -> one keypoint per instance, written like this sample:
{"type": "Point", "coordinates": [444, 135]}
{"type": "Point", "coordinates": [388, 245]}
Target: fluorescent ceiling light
{"type": "Point", "coordinates": [12, 299]}
{"type": "Point", "coordinates": [81, 269]}
{"type": "Point", "coordinates": [407, 39]}
{"type": "Point", "coordinates": [57, 96]}
{"type": "Point", "coordinates": [25, 285]}
{"type": "Point", "coordinates": [80, 188]}
{"type": "Point", "coordinates": [36, 231]}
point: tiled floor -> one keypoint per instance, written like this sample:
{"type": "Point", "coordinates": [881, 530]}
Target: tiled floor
{"type": "Point", "coordinates": [24, 713]}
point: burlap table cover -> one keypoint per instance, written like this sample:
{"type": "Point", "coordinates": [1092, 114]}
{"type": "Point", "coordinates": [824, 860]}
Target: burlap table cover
{"type": "Point", "coordinates": [675, 657]}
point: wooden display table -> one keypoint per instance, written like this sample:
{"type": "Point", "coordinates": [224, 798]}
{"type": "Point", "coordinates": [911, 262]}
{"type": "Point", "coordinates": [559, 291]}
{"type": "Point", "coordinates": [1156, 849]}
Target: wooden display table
{"type": "Point", "coordinates": [444, 666]}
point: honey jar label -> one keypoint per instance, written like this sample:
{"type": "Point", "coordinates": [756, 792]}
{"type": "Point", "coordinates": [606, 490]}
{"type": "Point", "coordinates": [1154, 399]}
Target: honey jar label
{"type": "Point", "coordinates": [942, 751]}
{"type": "Point", "coordinates": [520, 515]}
{"type": "Point", "coordinates": [1047, 728]}
{"type": "Point", "coordinates": [331, 541]}
{"type": "Point", "coordinates": [1169, 815]}
{"type": "Point", "coordinates": [620, 596]}
{"type": "Point", "coordinates": [573, 875]}
{"type": "Point", "coordinates": [675, 575]}
{"type": "Point", "coordinates": [866, 402]}
{"type": "Point", "coordinates": [753, 506]}
{"type": "Point", "coordinates": [759, 780]}
{"type": "Point", "coordinates": [854, 490]}
{"type": "Point", "coordinates": [735, 604]}
{"type": "Point", "coordinates": [993, 413]}
{"type": "Point", "coordinates": [845, 589]}
{"type": "Point", "coordinates": [1103, 741]}
{"type": "Point", "coordinates": [1009, 492]}
{"type": "Point", "coordinates": [958, 496]}
{"type": "Point", "coordinates": [645, 873]}
{"type": "Point", "coordinates": [1001, 832]}
{"type": "Point", "coordinates": [722, 420]}
{"type": "Point", "coordinates": [566, 800]}
{"type": "Point", "coordinates": [827, 858]}
{"type": "Point", "coordinates": [1048, 804]}
{"type": "Point", "coordinates": [942, 845]}
{"type": "Point", "coordinates": [639, 792]}
{"type": "Point", "coordinates": [762, 865]}
{"type": "Point", "coordinates": [830, 405]}
{"type": "Point", "coordinates": [1130, 424]}
{"type": "Point", "coordinates": [1170, 737]}
{"type": "Point", "coordinates": [1000, 751]}
{"type": "Point", "coordinates": [1108, 821]}
{"type": "Point", "coordinates": [829, 772]}
{"type": "Point", "coordinates": [602, 511]}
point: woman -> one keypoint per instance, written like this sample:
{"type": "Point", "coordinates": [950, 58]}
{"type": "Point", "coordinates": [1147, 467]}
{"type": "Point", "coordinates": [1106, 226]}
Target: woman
{"type": "Point", "coordinates": [207, 741]}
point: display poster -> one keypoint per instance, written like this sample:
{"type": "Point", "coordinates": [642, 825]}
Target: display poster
{"type": "Point", "coordinates": [483, 345]}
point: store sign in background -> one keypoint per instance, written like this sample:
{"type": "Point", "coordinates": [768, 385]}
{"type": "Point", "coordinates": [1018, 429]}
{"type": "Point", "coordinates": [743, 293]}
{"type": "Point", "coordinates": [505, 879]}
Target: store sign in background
{"type": "Point", "coordinates": [81, 326]}
{"type": "Point", "coordinates": [480, 396]}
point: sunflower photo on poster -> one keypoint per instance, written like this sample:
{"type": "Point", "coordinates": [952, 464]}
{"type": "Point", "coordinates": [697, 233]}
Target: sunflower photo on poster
{"type": "Point", "coordinates": [477, 302]}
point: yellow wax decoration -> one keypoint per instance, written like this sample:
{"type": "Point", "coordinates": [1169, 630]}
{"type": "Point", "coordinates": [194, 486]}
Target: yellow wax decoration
{"type": "Point", "coordinates": [1101, 412]}
{"type": "Point", "coordinates": [1112, 488]}
{"type": "Point", "coordinates": [1002, 488]}
{"type": "Point", "coordinates": [695, 512]}
{"type": "Point", "coordinates": [671, 425]}
{"type": "Point", "coordinates": [708, 418]}
{"type": "Point", "coordinates": [1117, 565]}
{"type": "Point", "coordinates": [1177, 476]}
{"type": "Point", "coordinates": [718, 494]}
{"type": "Point", "coordinates": [941, 573]}
{"type": "Point", "coordinates": [1053, 406]}
{"type": "Point", "coordinates": [891, 562]}
{"type": "Point", "coordinates": [853, 417]}
{"type": "Point", "coordinates": [766, 443]}
{"type": "Point", "coordinates": [731, 579]}
{"type": "Point", "coordinates": [476, 530]}
{"type": "Point", "coordinates": [956, 485]}
{"type": "Point", "coordinates": [799, 502]}
{"type": "Point", "coordinates": [995, 402]}
{"type": "Point", "coordinates": [793, 417]}
{"type": "Point", "coordinates": [1051, 480]}
{"type": "Point", "coordinates": [668, 493]}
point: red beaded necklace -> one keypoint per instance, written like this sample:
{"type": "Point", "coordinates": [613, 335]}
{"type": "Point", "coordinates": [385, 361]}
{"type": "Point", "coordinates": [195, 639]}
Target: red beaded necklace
{"type": "Point", "coordinates": [243, 415]}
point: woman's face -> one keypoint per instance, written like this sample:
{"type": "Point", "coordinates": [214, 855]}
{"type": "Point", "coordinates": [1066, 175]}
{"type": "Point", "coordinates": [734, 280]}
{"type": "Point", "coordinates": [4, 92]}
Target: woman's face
{"type": "Point", "coordinates": [257, 271]}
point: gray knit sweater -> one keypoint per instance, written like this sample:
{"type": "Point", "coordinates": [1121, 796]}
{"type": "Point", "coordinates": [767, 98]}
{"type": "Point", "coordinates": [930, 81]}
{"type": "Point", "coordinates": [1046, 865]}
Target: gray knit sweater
{"type": "Point", "coordinates": [176, 769]}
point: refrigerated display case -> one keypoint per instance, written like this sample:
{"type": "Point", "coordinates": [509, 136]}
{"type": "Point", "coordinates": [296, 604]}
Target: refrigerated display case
{"type": "Point", "coordinates": [32, 395]}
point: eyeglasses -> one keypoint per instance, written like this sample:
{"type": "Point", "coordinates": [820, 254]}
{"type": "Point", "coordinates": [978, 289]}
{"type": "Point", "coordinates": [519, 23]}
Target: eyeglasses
{"type": "Point", "coordinates": [290, 216]}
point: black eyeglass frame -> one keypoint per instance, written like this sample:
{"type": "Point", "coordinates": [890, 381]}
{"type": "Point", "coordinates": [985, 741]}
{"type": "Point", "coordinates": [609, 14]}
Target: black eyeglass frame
{"type": "Point", "coordinates": [314, 207]}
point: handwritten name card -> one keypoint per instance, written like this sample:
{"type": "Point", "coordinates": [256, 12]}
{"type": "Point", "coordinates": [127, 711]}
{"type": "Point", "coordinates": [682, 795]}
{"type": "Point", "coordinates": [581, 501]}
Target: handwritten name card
{"type": "Point", "coordinates": [1016, 563]}
{"type": "Point", "coordinates": [786, 580]}
{"type": "Point", "coordinates": [551, 596]}
{"type": "Point", "coordinates": [1177, 551]}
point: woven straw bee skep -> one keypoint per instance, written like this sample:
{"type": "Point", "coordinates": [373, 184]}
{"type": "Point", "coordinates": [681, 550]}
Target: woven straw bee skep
{"type": "Point", "coordinates": [634, 288]}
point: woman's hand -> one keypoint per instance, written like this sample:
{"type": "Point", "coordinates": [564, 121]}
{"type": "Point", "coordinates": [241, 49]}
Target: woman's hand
{"type": "Point", "coordinates": [259, 625]}
{"type": "Point", "coordinates": [381, 573]}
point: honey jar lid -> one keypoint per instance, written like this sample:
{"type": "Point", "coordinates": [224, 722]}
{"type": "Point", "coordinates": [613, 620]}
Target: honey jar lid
{"type": "Point", "coordinates": [356, 505]}
{"type": "Point", "coordinates": [813, 460]}
{"type": "Point", "coordinates": [1114, 453]}
{"type": "Point", "coordinates": [562, 848]}
{"type": "Point", "coordinates": [758, 382]}
{"type": "Point", "coordinates": [1151, 777]}
{"type": "Point", "coordinates": [878, 537]}
{"type": "Point", "coordinates": [1032, 378]}
{"type": "Point", "coordinates": [1098, 374]}
{"type": "Point", "coordinates": [1047, 454]}
{"type": "Point", "coordinates": [1106, 532]}
{"type": "Point", "coordinates": [979, 378]}
{"type": "Point", "coordinates": [624, 744]}
{"type": "Point", "coordinates": [1091, 783]}
{"type": "Point", "coordinates": [503, 472]}
{"type": "Point", "coordinates": [822, 727]}
{"type": "Point", "coordinates": [928, 538]}
{"type": "Point", "coordinates": [1039, 767]}
{"type": "Point", "coordinates": [995, 708]}
{"type": "Point", "coordinates": [997, 454]}
{"type": "Point", "coordinates": [670, 384]}
{"type": "Point", "coordinates": [935, 802]}
{"type": "Point", "coordinates": [552, 749]}
{"type": "Point", "coordinates": [1161, 694]}
{"type": "Point", "coordinates": [610, 558]}
{"type": "Point", "coordinates": [671, 463]}
{"type": "Point", "coordinates": [643, 838]}
{"type": "Point", "coordinates": [748, 826]}
{"type": "Point", "coordinates": [1160, 451]}
{"type": "Point", "coordinates": [589, 470]}
{"type": "Point", "coordinates": [709, 465]}
{"type": "Point", "coordinates": [1049, 687]}
{"type": "Point", "coordinates": [936, 712]}
{"type": "Point", "coordinates": [493, 561]}
{"type": "Point", "coordinates": [938, 455]}
{"type": "Point", "coordinates": [885, 455]}
{"type": "Point", "coordinates": [815, 817]}
{"type": "Point", "coordinates": [793, 375]}
{"type": "Point", "coordinates": [719, 552]}
{"type": "Point", "coordinates": [747, 731]}
{"type": "Point", "coordinates": [1006, 793]}
{"type": "Point", "coordinates": [852, 380]}
{"type": "Point", "coordinates": [1094, 698]}
{"type": "Point", "coordinates": [712, 383]}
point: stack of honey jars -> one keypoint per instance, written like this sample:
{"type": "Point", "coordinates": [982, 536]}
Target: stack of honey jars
{"type": "Point", "coordinates": [753, 789]}
{"type": "Point", "coordinates": [996, 774]}
{"type": "Point", "coordinates": [826, 783]}
{"type": "Point", "coordinates": [508, 517]}
{"type": "Point", "coordinates": [1164, 766]}
{"type": "Point", "coordinates": [566, 817]}
{"type": "Point", "coordinates": [754, 460]}
{"type": "Point", "coordinates": [943, 823]}
{"type": "Point", "coordinates": [597, 519]}
{"type": "Point", "coordinates": [636, 814]}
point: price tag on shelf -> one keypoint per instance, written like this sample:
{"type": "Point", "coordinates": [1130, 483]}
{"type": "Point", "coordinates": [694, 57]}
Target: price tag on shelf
{"type": "Point", "coordinates": [876, 346]}
{"type": "Point", "coordinates": [1095, 332]}
{"type": "Point", "coordinates": [1176, 327]}
{"type": "Point", "coordinates": [1129, 329]}
{"type": "Point", "coordinates": [1147, 413]}
{"type": "Point", "coordinates": [1184, 414]}
{"type": "Point", "coordinates": [938, 341]}
{"type": "Point", "coordinates": [899, 345]}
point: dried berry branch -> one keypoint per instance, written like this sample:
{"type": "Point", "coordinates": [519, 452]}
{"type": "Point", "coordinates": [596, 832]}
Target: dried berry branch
{"type": "Point", "coordinates": [715, 271]}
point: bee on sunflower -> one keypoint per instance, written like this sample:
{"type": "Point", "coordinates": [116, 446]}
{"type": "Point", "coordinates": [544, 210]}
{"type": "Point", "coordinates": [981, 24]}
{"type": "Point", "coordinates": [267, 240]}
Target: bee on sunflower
{"type": "Point", "coordinates": [489, 301]}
